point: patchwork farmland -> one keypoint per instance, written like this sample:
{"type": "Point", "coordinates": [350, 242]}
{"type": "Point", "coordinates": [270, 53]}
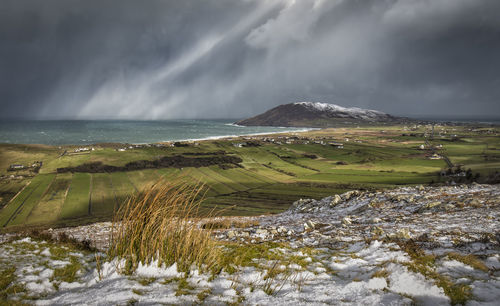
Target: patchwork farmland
{"type": "Point", "coordinates": [268, 178]}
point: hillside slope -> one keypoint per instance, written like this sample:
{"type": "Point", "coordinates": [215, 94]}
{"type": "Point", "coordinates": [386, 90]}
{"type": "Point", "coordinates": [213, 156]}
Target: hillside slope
{"type": "Point", "coordinates": [317, 114]}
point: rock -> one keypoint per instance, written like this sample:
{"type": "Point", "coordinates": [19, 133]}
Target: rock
{"type": "Point", "coordinates": [376, 204]}
{"type": "Point", "coordinates": [430, 205]}
{"type": "Point", "coordinates": [403, 213]}
{"type": "Point", "coordinates": [348, 195]}
{"type": "Point", "coordinates": [230, 234]}
{"type": "Point", "coordinates": [475, 203]}
{"type": "Point", "coordinates": [282, 229]}
{"type": "Point", "coordinates": [376, 220]}
{"type": "Point", "coordinates": [346, 221]}
{"type": "Point", "coordinates": [304, 205]}
{"type": "Point", "coordinates": [336, 200]}
{"type": "Point", "coordinates": [360, 209]}
{"type": "Point", "coordinates": [309, 225]}
{"type": "Point", "coordinates": [403, 233]}
{"type": "Point", "coordinates": [449, 207]}
{"type": "Point", "coordinates": [263, 233]}
{"type": "Point", "coordinates": [297, 203]}
{"type": "Point", "coordinates": [377, 231]}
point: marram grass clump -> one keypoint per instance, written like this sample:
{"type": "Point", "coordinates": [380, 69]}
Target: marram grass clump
{"type": "Point", "coordinates": [158, 224]}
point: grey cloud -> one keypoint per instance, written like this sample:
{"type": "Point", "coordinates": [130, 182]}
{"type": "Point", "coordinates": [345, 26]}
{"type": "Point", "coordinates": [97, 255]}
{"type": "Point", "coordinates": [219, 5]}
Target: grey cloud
{"type": "Point", "coordinates": [226, 58]}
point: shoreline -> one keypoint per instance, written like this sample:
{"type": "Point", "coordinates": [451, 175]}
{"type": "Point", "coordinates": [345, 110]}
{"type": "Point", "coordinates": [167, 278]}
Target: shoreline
{"type": "Point", "coordinates": [303, 130]}
{"type": "Point", "coordinates": [208, 138]}
{"type": "Point", "coordinates": [244, 135]}
{"type": "Point", "coordinates": [282, 130]}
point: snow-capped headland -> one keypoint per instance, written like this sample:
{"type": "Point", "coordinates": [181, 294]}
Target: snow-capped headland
{"type": "Point", "coordinates": [318, 114]}
{"type": "Point", "coordinates": [345, 112]}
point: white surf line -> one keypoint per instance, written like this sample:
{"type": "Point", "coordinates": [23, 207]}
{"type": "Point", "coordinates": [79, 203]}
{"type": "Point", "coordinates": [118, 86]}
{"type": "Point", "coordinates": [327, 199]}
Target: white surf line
{"type": "Point", "coordinates": [243, 135]}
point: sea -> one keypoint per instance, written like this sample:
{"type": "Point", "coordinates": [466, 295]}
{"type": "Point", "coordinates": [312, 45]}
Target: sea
{"type": "Point", "coordinates": [84, 132]}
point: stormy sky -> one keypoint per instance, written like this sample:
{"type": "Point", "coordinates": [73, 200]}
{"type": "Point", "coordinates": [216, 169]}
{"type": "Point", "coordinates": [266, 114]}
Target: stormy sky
{"type": "Point", "coordinates": [161, 59]}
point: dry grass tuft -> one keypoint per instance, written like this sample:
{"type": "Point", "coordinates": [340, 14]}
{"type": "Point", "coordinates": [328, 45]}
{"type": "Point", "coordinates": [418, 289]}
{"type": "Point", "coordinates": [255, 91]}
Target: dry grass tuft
{"type": "Point", "coordinates": [470, 260]}
{"type": "Point", "coordinates": [158, 224]}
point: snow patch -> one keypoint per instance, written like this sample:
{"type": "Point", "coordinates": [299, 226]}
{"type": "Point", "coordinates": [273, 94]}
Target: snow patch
{"type": "Point", "coordinates": [488, 293]}
{"type": "Point", "coordinates": [377, 283]}
{"type": "Point", "coordinates": [340, 111]}
{"type": "Point", "coordinates": [415, 285]}
{"type": "Point", "coordinates": [154, 270]}
{"type": "Point", "coordinates": [46, 252]}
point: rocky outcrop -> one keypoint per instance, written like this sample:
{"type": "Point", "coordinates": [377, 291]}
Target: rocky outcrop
{"type": "Point", "coordinates": [448, 217]}
{"type": "Point", "coordinates": [463, 218]}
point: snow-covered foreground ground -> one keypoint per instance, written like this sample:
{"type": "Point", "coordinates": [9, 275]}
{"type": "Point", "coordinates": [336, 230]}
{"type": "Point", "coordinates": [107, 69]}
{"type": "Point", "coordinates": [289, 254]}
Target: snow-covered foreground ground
{"type": "Point", "coordinates": [431, 246]}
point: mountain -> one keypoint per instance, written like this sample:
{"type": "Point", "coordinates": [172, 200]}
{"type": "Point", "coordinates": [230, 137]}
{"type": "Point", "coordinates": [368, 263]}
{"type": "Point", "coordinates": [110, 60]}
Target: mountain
{"type": "Point", "coordinates": [317, 114]}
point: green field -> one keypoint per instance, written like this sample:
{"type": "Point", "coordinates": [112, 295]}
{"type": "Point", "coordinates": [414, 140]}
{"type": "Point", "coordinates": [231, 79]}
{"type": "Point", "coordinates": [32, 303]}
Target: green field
{"type": "Point", "coordinates": [50, 205]}
{"type": "Point", "coordinates": [77, 203]}
{"type": "Point", "coordinates": [17, 211]}
{"type": "Point", "coordinates": [102, 196]}
{"type": "Point", "coordinates": [270, 177]}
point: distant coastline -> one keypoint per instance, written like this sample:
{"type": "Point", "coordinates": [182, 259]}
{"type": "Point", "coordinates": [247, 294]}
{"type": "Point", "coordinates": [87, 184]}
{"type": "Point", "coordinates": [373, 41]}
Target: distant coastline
{"type": "Point", "coordinates": [86, 132]}
{"type": "Point", "coordinates": [298, 130]}
{"type": "Point", "coordinates": [478, 120]}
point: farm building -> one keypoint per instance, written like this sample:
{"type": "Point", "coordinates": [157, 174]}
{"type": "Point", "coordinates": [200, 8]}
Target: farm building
{"type": "Point", "coordinates": [16, 167]}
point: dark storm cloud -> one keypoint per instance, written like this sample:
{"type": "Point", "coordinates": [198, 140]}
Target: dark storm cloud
{"type": "Point", "coordinates": [225, 58]}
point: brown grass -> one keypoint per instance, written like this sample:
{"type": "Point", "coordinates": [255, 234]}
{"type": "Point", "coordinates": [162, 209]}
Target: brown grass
{"type": "Point", "coordinates": [470, 260]}
{"type": "Point", "coordinates": [158, 224]}
{"type": "Point", "coordinates": [381, 273]}
{"type": "Point", "coordinates": [226, 223]}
